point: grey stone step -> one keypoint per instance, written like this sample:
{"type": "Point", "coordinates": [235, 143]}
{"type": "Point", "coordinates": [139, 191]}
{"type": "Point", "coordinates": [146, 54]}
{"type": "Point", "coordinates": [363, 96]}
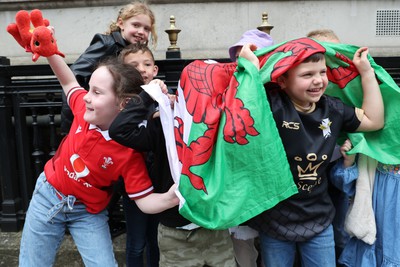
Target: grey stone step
{"type": "Point", "coordinates": [67, 256]}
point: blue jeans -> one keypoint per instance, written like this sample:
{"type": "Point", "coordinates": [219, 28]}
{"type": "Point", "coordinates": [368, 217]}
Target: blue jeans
{"type": "Point", "coordinates": [141, 232]}
{"type": "Point", "coordinates": [46, 221]}
{"type": "Point", "coordinates": [319, 251]}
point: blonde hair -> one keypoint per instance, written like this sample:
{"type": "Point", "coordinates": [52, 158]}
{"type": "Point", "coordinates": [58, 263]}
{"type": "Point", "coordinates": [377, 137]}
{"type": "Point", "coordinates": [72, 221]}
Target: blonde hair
{"type": "Point", "coordinates": [323, 34]}
{"type": "Point", "coordinates": [131, 10]}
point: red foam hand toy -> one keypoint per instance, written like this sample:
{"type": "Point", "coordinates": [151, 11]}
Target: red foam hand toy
{"type": "Point", "coordinates": [39, 40]}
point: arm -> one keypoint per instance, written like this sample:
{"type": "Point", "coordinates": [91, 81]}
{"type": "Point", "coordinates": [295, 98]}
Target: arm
{"type": "Point", "coordinates": [247, 53]}
{"type": "Point", "coordinates": [126, 128]}
{"type": "Point", "coordinates": [348, 160]}
{"type": "Point", "coordinates": [344, 173]}
{"type": "Point", "coordinates": [100, 47]}
{"type": "Point", "coordinates": [63, 73]}
{"type": "Point", "coordinates": [373, 118]}
{"type": "Point", "coordinates": [344, 178]}
{"type": "Point", "coordinates": [156, 203]}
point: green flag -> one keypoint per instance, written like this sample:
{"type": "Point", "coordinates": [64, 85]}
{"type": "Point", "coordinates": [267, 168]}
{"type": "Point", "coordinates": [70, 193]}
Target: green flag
{"type": "Point", "coordinates": [382, 145]}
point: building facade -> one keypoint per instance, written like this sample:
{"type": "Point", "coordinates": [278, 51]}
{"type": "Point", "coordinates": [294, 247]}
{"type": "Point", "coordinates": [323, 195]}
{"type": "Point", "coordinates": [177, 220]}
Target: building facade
{"type": "Point", "coordinates": [208, 28]}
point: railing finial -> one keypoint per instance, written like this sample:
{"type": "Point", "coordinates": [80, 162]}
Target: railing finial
{"type": "Point", "coordinates": [172, 34]}
{"type": "Point", "coordinates": [265, 26]}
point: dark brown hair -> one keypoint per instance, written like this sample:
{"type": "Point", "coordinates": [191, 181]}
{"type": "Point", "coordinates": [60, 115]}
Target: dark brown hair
{"type": "Point", "coordinates": [127, 80]}
{"type": "Point", "coordinates": [313, 58]}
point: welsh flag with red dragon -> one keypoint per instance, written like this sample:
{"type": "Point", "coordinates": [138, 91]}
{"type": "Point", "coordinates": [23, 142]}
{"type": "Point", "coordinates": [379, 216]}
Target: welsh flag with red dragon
{"type": "Point", "coordinates": [226, 153]}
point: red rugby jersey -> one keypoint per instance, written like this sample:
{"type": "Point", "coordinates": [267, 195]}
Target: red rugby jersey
{"type": "Point", "coordinates": [88, 162]}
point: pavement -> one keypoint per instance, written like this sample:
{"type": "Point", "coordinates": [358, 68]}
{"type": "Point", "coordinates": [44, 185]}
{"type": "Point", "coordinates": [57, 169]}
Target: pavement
{"type": "Point", "coordinates": [67, 256]}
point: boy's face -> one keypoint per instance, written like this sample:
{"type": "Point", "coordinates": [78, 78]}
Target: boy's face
{"type": "Point", "coordinates": [144, 63]}
{"type": "Point", "coordinates": [306, 83]}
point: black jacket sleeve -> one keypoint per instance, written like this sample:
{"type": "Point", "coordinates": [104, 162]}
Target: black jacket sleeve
{"type": "Point", "coordinates": [101, 46]}
{"type": "Point", "coordinates": [126, 128]}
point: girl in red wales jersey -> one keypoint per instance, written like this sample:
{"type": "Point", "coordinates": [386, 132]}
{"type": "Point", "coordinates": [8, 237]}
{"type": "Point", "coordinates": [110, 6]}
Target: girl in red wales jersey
{"type": "Point", "coordinates": [76, 185]}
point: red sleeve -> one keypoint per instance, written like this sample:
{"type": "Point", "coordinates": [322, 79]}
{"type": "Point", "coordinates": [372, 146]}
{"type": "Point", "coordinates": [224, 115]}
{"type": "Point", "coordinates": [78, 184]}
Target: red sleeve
{"type": "Point", "coordinates": [136, 178]}
{"type": "Point", "coordinates": [75, 99]}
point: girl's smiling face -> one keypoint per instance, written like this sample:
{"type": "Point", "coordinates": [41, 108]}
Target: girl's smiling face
{"type": "Point", "coordinates": [305, 83]}
{"type": "Point", "coordinates": [102, 104]}
{"type": "Point", "coordinates": [135, 29]}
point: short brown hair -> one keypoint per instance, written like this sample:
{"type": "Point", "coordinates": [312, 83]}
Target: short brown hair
{"type": "Point", "coordinates": [133, 49]}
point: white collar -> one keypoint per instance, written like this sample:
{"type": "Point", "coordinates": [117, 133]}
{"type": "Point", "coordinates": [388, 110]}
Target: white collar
{"type": "Point", "coordinates": [105, 133]}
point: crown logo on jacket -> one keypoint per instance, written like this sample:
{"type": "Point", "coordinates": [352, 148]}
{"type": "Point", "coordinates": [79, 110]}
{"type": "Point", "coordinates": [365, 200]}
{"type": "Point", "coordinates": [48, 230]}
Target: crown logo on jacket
{"type": "Point", "coordinates": [311, 171]}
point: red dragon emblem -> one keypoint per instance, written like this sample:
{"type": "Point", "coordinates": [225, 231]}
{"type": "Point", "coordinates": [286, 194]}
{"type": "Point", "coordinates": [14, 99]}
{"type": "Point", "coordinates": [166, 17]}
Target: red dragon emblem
{"type": "Point", "coordinates": [209, 91]}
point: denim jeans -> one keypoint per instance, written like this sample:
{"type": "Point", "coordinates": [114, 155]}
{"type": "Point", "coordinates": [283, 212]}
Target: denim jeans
{"type": "Point", "coordinates": [141, 232]}
{"type": "Point", "coordinates": [319, 251]}
{"type": "Point", "coordinates": [49, 215]}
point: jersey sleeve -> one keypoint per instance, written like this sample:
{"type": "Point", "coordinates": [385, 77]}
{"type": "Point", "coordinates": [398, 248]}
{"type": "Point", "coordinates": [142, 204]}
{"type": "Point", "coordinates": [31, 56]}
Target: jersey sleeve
{"type": "Point", "coordinates": [350, 119]}
{"type": "Point", "coordinates": [136, 178]}
{"type": "Point", "coordinates": [344, 178]}
{"type": "Point", "coordinates": [349, 115]}
{"type": "Point", "coordinates": [75, 99]}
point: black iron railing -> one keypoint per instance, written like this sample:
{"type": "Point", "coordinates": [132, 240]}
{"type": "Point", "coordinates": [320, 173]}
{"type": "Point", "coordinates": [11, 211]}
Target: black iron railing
{"type": "Point", "coordinates": [30, 106]}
